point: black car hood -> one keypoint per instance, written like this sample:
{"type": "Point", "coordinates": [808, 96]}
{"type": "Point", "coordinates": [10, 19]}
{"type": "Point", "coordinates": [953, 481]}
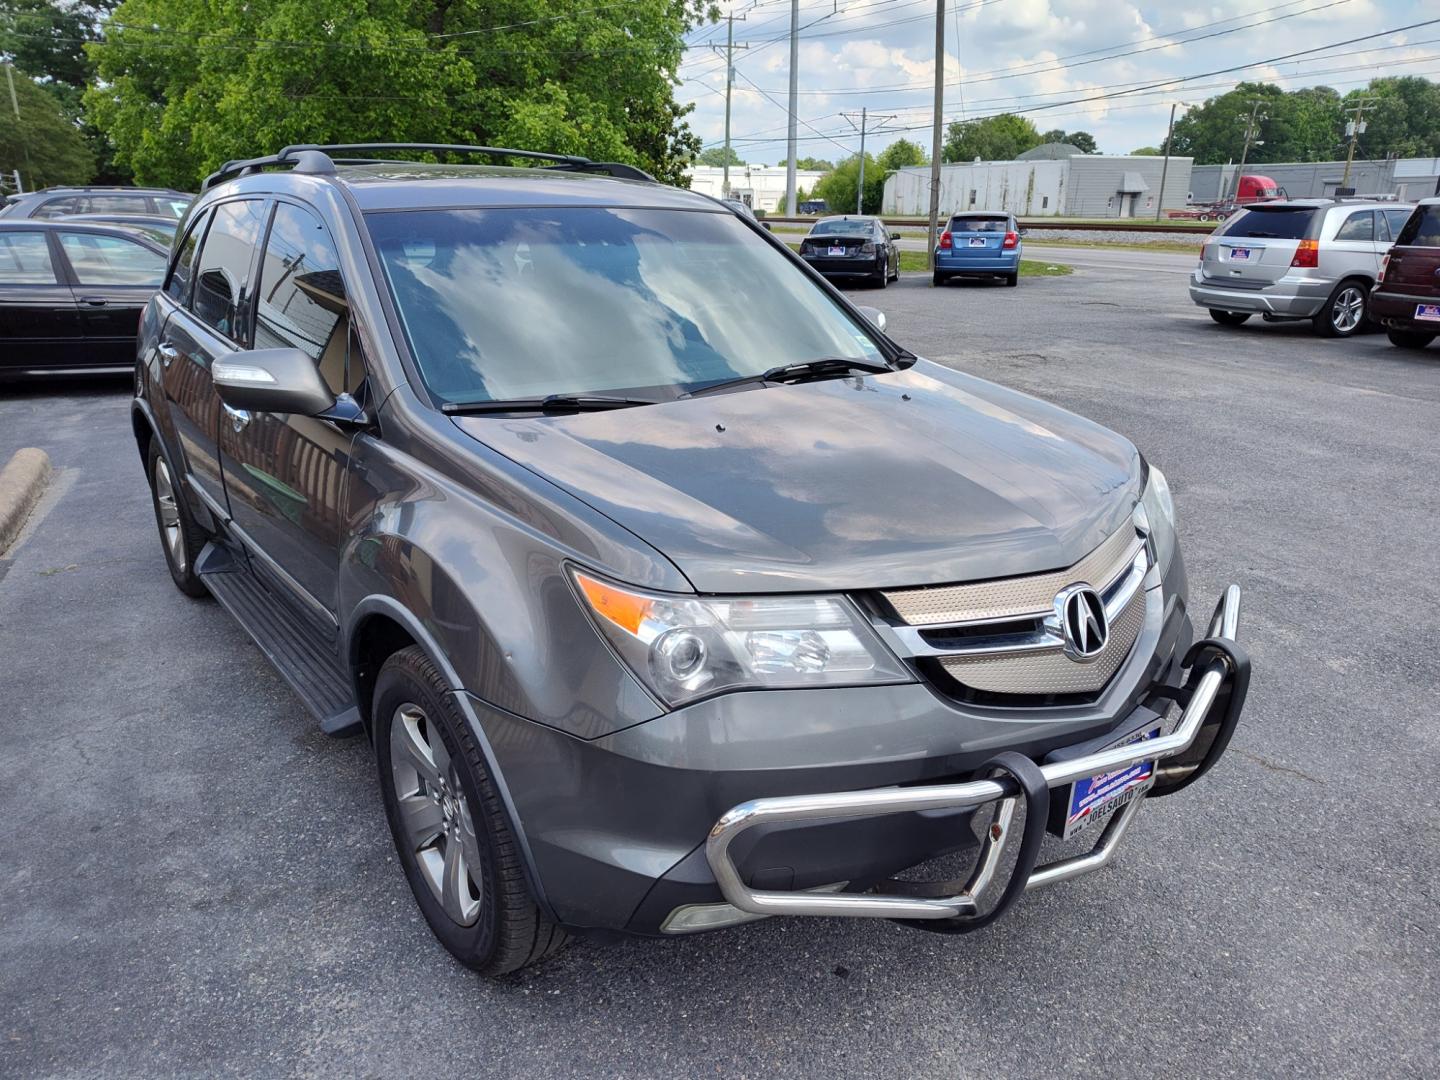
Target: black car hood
{"type": "Point", "coordinates": [907, 478]}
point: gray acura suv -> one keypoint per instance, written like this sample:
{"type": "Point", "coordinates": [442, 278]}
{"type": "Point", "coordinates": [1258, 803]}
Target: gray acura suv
{"type": "Point", "coordinates": [670, 592]}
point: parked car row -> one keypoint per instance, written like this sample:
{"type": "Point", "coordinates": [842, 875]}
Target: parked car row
{"type": "Point", "coordinates": [77, 266]}
{"type": "Point", "coordinates": [1338, 263]}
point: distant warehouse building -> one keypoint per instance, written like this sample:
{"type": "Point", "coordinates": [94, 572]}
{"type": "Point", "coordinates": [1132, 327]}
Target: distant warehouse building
{"type": "Point", "coordinates": [761, 187]}
{"type": "Point", "coordinates": [1405, 178]}
{"type": "Point", "coordinates": [1057, 181]}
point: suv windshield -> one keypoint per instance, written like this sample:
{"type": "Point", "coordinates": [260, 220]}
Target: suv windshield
{"type": "Point", "coordinates": [1281, 223]}
{"type": "Point", "coordinates": [513, 303]}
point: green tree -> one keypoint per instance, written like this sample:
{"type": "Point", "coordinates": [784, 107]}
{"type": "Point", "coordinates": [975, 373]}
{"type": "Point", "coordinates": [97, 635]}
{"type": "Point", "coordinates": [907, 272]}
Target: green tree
{"type": "Point", "coordinates": [1405, 119]}
{"type": "Point", "coordinates": [717, 155]}
{"type": "Point", "coordinates": [839, 186]}
{"type": "Point", "coordinates": [1081, 140]}
{"type": "Point", "coordinates": [900, 154]}
{"type": "Point", "coordinates": [44, 143]}
{"type": "Point", "coordinates": [813, 164]}
{"type": "Point", "coordinates": [46, 40]}
{"type": "Point", "coordinates": [1305, 125]}
{"type": "Point", "coordinates": [186, 84]}
{"type": "Point", "coordinates": [1147, 151]}
{"type": "Point", "coordinates": [994, 138]}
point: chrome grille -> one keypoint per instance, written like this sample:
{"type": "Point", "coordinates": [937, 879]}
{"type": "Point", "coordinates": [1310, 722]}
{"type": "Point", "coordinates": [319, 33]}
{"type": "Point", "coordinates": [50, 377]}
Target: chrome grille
{"type": "Point", "coordinates": [1051, 671]}
{"type": "Point", "coordinates": [984, 601]}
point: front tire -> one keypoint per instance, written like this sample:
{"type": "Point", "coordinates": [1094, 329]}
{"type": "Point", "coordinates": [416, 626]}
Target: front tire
{"type": "Point", "coordinates": [1228, 318]}
{"type": "Point", "coordinates": [180, 536]}
{"type": "Point", "coordinates": [1409, 339]}
{"type": "Point", "coordinates": [451, 830]}
{"type": "Point", "coordinates": [1344, 312]}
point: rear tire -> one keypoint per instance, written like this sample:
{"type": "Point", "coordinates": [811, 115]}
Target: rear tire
{"type": "Point", "coordinates": [1011, 280]}
{"type": "Point", "coordinates": [1409, 339]}
{"type": "Point", "coordinates": [1344, 312]}
{"type": "Point", "coordinates": [1228, 318]}
{"type": "Point", "coordinates": [883, 277]}
{"type": "Point", "coordinates": [938, 279]}
{"type": "Point", "coordinates": [180, 537]}
{"type": "Point", "coordinates": [453, 837]}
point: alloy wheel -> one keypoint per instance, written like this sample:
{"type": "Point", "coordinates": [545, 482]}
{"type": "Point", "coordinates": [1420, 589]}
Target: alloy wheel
{"type": "Point", "coordinates": [170, 528]}
{"type": "Point", "coordinates": [1348, 309]}
{"type": "Point", "coordinates": [434, 814]}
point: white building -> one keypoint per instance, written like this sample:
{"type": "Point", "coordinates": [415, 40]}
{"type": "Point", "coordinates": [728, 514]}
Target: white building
{"type": "Point", "coordinates": [1079, 185]}
{"type": "Point", "coordinates": [762, 186]}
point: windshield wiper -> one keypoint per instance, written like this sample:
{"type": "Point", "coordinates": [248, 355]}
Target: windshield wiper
{"type": "Point", "coordinates": [823, 368]}
{"type": "Point", "coordinates": [548, 403]}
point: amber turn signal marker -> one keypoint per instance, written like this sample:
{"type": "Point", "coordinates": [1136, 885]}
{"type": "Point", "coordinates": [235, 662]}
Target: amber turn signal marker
{"type": "Point", "coordinates": [625, 610]}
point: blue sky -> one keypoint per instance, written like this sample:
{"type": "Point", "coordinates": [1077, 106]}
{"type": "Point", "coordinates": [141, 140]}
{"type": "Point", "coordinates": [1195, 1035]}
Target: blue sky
{"type": "Point", "coordinates": [1032, 56]}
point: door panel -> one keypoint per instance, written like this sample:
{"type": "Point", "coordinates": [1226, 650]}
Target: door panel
{"type": "Point", "coordinates": [285, 474]}
{"type": "Point", "coordinates": [216, 282]}
{"type": "Point", "coordinates": [39, 323]}
{"type": "Point", "coordinates": [113, 278]}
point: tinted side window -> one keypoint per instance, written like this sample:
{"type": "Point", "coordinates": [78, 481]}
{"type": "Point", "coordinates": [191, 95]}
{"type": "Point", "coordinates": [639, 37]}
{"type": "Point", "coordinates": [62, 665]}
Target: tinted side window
{"type": "Point", "coordinates": [118, 204]}
{"type": "Point", "coordinates": [179, 284]}
{"type": "Point", "coordinates": [25, 259]}
{"type": "Point", "coordinates": [223, 268]}
{"type": "Point", "coordinates": [1358, 226]}
{"type": "Point", "coordinates": [111, 260]}
{"type": "Point", "coordinates": [171, 206]}
{"type": "Point", "coordinates": [301, 300]}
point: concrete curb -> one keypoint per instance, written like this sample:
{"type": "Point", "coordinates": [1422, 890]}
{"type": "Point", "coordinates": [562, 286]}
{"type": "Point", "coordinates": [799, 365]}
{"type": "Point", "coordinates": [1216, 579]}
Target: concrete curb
{"type": "Point", "coordinates": [21, 483]}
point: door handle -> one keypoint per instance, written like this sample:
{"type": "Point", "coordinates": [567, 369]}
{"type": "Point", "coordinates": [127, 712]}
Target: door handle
{"type": "Point", "coordinates": [167, 352]}
{"type": "Point", "coordinates": [239, 418]}
{"type": "Point", "coordinates": [94, 301]}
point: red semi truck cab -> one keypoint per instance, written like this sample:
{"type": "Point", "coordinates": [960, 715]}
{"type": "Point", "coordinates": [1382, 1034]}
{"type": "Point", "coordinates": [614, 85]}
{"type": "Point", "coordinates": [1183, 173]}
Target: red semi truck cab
{"type": "Point", "coordinates": [1255, 189]}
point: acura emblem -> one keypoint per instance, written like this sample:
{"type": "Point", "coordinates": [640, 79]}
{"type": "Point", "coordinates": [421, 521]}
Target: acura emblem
{"type": "Point", "coordinates": [1083, 624]}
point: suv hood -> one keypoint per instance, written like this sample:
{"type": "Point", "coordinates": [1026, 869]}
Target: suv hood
{"type": "Point", "coordinates": [914, 477]}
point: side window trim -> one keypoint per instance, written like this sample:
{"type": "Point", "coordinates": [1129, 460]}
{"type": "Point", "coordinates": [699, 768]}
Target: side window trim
{"type": "Point", "coordinates": [59, 261]}
{"type": "Point", "coordinates": [248, 286]}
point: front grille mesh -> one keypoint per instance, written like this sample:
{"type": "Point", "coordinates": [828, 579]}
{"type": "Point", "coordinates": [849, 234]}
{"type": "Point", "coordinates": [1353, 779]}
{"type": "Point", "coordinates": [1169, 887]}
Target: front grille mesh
{"type": "Point", "coordinates": [1011, 597]}
{"type": "Point", "coordinates": [1051, 671]}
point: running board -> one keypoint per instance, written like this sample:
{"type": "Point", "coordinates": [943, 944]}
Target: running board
{"type": "Point", "coordinates": [294, 645]}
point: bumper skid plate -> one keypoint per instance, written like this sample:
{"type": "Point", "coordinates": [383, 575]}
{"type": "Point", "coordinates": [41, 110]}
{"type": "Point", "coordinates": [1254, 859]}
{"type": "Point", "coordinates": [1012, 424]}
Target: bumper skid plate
{"type": "Point", "coordinates": [1211, 699]}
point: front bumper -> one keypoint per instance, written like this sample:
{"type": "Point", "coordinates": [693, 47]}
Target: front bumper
{"type": "Point", "coordinates": [1213, 698]}
{"type": "Point", "coordinates": [1289, 297]}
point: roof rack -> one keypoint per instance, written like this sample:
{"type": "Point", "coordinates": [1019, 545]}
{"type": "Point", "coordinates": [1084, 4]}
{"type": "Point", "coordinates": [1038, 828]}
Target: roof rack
{"type": "Point", "coordinates": [317, 158]}
{"type": "Point", "coordinates": [105, 187]}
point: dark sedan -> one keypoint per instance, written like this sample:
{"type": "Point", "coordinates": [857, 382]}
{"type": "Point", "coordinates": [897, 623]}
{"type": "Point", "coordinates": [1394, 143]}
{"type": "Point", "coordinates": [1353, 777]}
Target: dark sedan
{"type": "Point", "coordinates": [71, 295]}
{"type": "Point", "coordinates": [853, 247]}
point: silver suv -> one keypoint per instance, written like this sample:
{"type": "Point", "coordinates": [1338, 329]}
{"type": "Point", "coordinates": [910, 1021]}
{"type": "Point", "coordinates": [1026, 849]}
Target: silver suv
{"type": "Point", "coordinates": [1310, 259]}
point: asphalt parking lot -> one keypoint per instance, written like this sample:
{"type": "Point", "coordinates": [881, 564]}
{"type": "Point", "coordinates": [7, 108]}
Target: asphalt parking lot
{"type": "Point", "coordinates": [194, 881]}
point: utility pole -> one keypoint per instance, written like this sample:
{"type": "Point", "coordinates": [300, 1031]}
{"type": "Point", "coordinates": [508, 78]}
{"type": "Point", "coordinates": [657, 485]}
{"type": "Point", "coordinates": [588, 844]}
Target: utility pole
{"type": "Point", "coordinates": [1165, 168]}
{"type": "Point", "coordinates": [25, 146]}
{"type": "Point", "coordinates": [794, 107]}
{"type": "Point", "coordinates": [1355, 128]}
{"type": "Point", "coordinates": [1252, 128]}
{"type": "Point", "coordinates": [850, 117]}
{"type": "Point", "coordinates": [935, 131]}
{"type": "Point", "coordinates": [730, 48]}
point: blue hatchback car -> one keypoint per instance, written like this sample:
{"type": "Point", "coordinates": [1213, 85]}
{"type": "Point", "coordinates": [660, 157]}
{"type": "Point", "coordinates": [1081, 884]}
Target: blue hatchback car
{"type": "Point", "coordinates": [979, 244]}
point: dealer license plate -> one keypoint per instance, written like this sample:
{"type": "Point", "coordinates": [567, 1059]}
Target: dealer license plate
{"type": "Point", "coordinates": [1240, 254]}
{"type": "Point", "coordinates": [1428, 312]}
{"type": "Point", "coordinates": [836, 250]}
{"type": "Point", "coordinates": [977, 241]}
{"type": "Point", "coordinates": [1095, 798]}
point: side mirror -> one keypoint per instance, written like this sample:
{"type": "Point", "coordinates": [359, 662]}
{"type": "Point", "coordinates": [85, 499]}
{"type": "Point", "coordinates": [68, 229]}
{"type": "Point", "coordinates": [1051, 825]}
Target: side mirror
{"type": "Point", "coordinates": [1023, 231]}
{"type": "Point", "coordinates": [894, 236]}
{"type": "Point", "coordinates": [272, 380]}
{"type": "Point", "coordinates": [766, 226]}
{"type": "Point", "coordinates": [876, 317]}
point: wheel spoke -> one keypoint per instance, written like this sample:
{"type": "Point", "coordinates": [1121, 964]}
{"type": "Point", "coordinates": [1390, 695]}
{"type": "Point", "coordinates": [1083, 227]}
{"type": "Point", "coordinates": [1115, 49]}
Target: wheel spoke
{"type": "Point", "coordinates": [454, 889]}
{"type": "Point", "coordinates": [409, 750]}
{"type": "Point", "coordinates": [422, 819]}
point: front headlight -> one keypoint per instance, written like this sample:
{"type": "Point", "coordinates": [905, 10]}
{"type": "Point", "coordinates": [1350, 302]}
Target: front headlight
{"type": "Point", "coordinates": [685, 647]}
{"type": "Point", "coordinates": [1155, 514]}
